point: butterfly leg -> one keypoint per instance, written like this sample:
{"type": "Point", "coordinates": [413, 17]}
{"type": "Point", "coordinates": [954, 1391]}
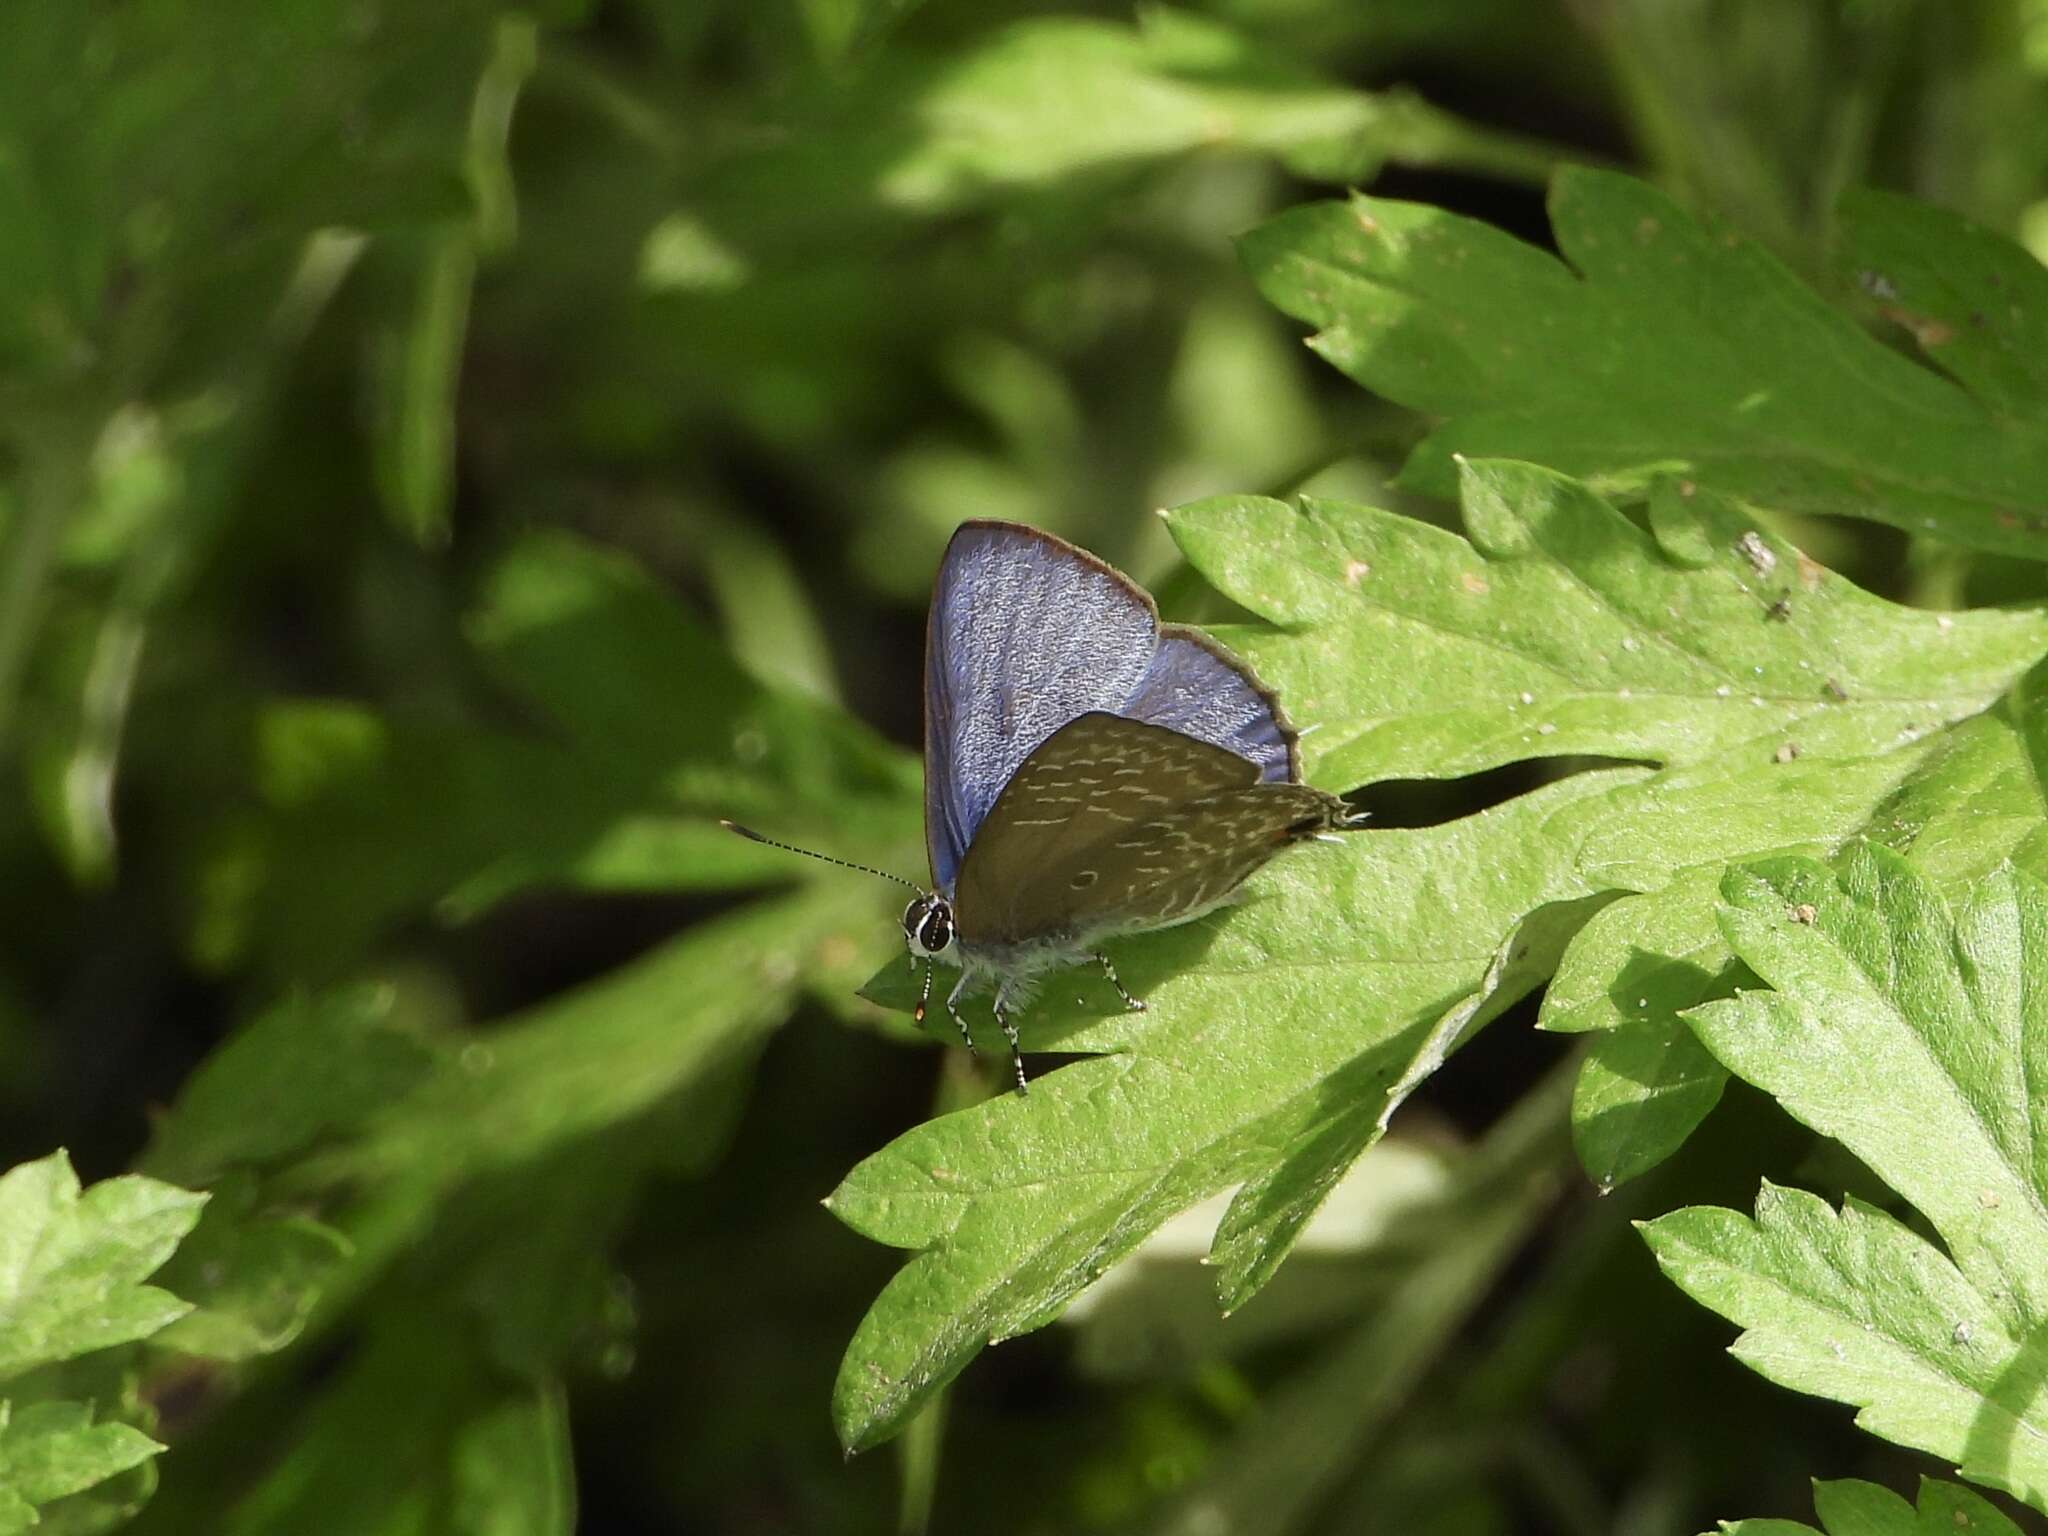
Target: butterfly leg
{"type": "Point", "coordinates": [1134, 1004]}
{"type": "Point", "coordinates": [953, 1008]}
{"type": "Point", "coordinates": [1010, 1033]}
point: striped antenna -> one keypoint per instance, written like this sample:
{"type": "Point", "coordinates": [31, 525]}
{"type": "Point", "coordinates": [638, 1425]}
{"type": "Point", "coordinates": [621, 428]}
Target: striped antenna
{"type": "Point", "coordinates": [867, 869]}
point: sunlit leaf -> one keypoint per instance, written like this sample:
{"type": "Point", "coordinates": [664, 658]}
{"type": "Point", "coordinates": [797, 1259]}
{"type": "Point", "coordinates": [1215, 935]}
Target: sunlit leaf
{"type": "Point", "coordinates": [72, 1262]}
{"type": "Point", "coordinates": [1911, 1034]}
{"type": "Point", "coordinates": [1852, 1507]}
{"type": "Point", "coordinates": [1660, 343]}
{"type": "Point", "coordinates": [49, 1451]}
{"type": "Point", "coordinates": [1229, 1078]}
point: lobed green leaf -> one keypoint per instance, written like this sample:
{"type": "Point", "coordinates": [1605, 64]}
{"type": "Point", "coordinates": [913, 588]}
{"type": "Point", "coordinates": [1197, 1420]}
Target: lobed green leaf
{"type": "Point", "coordinates": [50, 1451]}
{"type": "Point", "coordinates": [1271, 1045]}
{"type": "Point", "coordinates": [1852, 1507]}
{"type": "Point", "coordinates": [1913, 1035]}
{"type": "Point", "coordinates": [72, 1262]}
{"type": "Point", "coordinates": [1556, 626]}
{"type": "Point", "coordinates": [1659, 343]}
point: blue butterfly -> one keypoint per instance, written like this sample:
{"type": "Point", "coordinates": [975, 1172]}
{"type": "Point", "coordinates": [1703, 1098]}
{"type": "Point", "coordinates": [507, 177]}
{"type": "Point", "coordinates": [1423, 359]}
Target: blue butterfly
{"type": "Point", "coordinates": [1089, 772]}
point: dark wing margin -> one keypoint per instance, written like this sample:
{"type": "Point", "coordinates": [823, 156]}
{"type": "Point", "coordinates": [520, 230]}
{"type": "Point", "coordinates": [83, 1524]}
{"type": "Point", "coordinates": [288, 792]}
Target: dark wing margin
{"type": "Point", "coordinates": [1117, 825]}
{"type": "Point", "coordinates": [1198, 688]}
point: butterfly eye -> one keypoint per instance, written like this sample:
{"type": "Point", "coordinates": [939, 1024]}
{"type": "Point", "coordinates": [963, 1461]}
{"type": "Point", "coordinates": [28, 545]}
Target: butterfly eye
{"type": "Point", "coordinates": [915, 914]}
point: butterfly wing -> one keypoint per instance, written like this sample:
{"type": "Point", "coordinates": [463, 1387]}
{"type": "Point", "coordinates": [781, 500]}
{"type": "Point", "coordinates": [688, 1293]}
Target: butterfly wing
{"type": "Point", "coordinates": [1026, 633]}
{"type": "Point", "coordinates": [1115, 825]}
{"type": "Point", "coordinates": [1196, 687]}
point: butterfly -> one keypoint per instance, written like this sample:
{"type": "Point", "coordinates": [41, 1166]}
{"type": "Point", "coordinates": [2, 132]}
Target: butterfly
{"type": "Point", "coordinates": [1089, 772]}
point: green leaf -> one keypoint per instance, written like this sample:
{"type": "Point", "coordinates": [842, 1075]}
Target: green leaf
{"type": "Point", "coordinates": [1557, 626]}
{"type": "Point", "coordinates": [417, 365]}
{"type": "Point", "coordinates": [1656, 344]}
{"type": "Point", "coordinates": [49, 1451]}
{"type": "Point", "coordinates": [376, 817]}
{"type": "Point", "coordinates": [143, 161]}
{"type": "Point", "coordinates": [310, 1069]}
{"type": "Point", "coordinates": [1969, 804]}
{"type": "Point", "coordinates": [510, 1474]}
{"type": "Point", "coordinates": [253, 1276]}
{"type": "Point", "coordinates": [1311, 1433]}
{"type": "Point", "coordinates": [1914, 1038]}
{"type": "Point", "coordinates": [1945, 1509]}
{"type": "Point", "coordinates": [843, 28]}
{"type": "Point", "coordinates": [1284, 1027]}
{"type": "Point", "coordinates": [457, 1448]}
{"type": "Point", "coordinates": [1974, 302]}
{"type": "Point", "coordinates": [607, 1053]}
{"type": "Point", "coordinates": [1851, 1507]}
{"type": "Point", "coordinates": [1909, 1036]}
{"type": "Point", "coordinates": [420, 356]}
{"type": "Point", "coordinates": [1011, 1226]}
{"type": "Point", "coordinates": [1641, 1091]}
{"type": "Point", "coordinates": [1061, 99]}
{"type": "Point", "coordinates": [72, 1263]}
{"type": "Point", "coordinates": [1643, 960]}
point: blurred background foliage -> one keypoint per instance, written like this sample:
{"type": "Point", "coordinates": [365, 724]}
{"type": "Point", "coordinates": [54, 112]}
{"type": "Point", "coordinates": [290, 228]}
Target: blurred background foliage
{"type": "Point", "coordinates": [452, 452]}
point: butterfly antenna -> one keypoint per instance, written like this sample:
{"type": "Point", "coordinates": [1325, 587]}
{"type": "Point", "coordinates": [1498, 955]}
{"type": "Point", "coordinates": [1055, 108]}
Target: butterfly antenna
{"type": "Point", "coordinates": [867, 869]}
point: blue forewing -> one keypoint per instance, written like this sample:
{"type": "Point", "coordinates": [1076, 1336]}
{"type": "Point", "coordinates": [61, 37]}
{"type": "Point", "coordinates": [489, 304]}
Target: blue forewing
{"type": "Point", "coordinates": [1026, 634]}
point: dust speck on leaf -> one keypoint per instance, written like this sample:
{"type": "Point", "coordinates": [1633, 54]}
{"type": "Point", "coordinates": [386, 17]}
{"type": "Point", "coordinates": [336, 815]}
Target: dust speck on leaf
{"type": "Point", "coordinates": [1762, 559]}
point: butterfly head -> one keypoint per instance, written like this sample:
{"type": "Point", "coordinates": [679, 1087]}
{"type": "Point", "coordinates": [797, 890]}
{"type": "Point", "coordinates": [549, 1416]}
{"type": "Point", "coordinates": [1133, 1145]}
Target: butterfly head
{"type": "Point", "coordinates": [928, 926]}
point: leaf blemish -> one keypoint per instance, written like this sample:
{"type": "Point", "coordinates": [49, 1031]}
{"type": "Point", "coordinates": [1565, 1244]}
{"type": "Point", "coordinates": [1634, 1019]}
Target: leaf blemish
{"type": "Point", "coordinates": [1762, 559]}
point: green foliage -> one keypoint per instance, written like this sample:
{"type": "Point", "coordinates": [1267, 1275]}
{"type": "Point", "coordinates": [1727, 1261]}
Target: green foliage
{"type": "Point", "coordinates": [1909, 1034]}
{"type": "Point", "coordinates": [1674, 618]}
{"type": "Point", "coordinates": [1668, 345]}
{"type": "Point", "coordinates": [1854, 1508]}
{"type": "Point", "coordinates": [1020, 1202]}
{"type": "Point", "coordinates": [72, 1263]}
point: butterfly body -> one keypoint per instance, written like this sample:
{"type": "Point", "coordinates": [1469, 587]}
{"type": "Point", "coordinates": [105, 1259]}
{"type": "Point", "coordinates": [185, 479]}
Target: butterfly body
{"type": "Point", "coordinates": [1088, 771]}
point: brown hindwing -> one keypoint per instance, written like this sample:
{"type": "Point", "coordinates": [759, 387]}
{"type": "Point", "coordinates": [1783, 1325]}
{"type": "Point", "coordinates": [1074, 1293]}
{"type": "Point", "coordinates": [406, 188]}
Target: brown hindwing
{"type": "Point", "coordinates": [1113, 825]}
